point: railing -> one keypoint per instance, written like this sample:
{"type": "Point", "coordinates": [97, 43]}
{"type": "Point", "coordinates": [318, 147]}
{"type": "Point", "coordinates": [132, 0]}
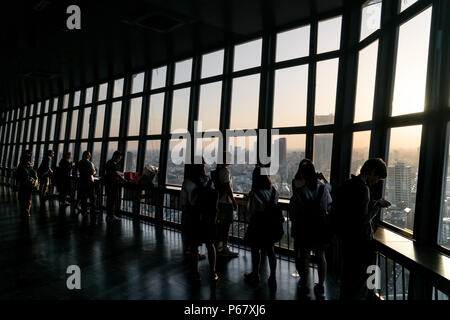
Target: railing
{"type": "Point", "coordinates": [162, 205]}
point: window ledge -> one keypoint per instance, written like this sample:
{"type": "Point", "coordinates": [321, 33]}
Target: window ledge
{"type": "Point", "coordinates": [429, 262]}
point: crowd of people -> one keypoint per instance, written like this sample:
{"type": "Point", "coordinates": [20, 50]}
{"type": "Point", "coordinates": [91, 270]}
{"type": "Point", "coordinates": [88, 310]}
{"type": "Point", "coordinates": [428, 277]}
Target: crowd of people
{"type": "Point", "coordinates": [28, 179]}
{"type": "Point", "coordinates": [208, 207]}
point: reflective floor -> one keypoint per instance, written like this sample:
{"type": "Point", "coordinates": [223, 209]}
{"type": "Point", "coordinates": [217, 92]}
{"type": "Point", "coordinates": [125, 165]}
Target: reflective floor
{"type": "Point", "coordinates": [125, 260]}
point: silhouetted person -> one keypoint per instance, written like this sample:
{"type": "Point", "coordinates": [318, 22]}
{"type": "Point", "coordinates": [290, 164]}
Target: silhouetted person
{"type": "Point", "coordinates": [44, 173]}
{"type": "Point", "coordinates": [309, 207]}
{"type": "Point", "coordinates": [260, 228]}
{"type": "Point", "coordinates": [64, 179]}
{"type": "Point", "coordinates": [26, 179]}
{"type": "Point", "coordinates": [223, 183]}
{"type": "Point", "coordinates": [353, 210]}
{"type": "Point", "coordinates": [113, 178]}
{"type": "Point", "coordinates": [200, 202]}
{"type": "Point", "coordinates": [86, 189]}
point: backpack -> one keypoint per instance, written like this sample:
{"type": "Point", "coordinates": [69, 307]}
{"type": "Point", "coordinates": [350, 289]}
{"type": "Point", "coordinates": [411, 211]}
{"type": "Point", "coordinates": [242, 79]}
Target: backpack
{"type": "Point", "coordinates": [314, 219]}
{"type": "Point", "coordinates": [206, 204]}
{"type": "Point", "coordinates": [272, 219]}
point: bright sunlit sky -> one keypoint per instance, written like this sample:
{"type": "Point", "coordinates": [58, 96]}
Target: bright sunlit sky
{"type": "Point", "coordinates": [291, 84]}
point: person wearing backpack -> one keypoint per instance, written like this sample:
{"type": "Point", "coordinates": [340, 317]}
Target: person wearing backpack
{"type": "Point", "coordinates": [27, 181]}
{"type": "Point", "coordinates": [309, 208]}
{"type": "Point", "coordinates": [201, 199]}
{"type": "Point", "coordinates": [63, 178]}
{"type": "Point", "coordinates": [86, 190]}
{"type": "Point", "coordinates": [264, 226]}
{"type": "Point", "coordinates": [352, 214]}
{"type": "Point", "coordinates": [226, 205]}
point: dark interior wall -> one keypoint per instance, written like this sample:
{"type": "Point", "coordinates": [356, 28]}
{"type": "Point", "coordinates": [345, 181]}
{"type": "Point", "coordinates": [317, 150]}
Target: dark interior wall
{"type": "Point", "coordinates": [41, 58]}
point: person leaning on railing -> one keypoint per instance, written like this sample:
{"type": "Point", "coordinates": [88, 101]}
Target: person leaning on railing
{"type": "Point", "coordinates": [112, 180]}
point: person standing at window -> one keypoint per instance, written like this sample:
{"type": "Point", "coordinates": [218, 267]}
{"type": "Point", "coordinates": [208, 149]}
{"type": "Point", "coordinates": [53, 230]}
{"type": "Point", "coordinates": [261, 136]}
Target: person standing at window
{"type": "Point", "coordinates": [309, 207]}
{"type": "Point", "coordinates": [86, 189]}
{"type": "Point", "coordinates": [200, 204]}
{"type": "Point", "coordinates": [64, 181]}
{"type": "Point", "coordinates": [44, 173]}
{"type": "Point", "coordinates": [226, 205]}
{"type": "Point", "coordinates": [353, 211]}
{"type": "Point", "coordinates": [113, 178]}
{"type": "Point", "coordinates": [262, 198]}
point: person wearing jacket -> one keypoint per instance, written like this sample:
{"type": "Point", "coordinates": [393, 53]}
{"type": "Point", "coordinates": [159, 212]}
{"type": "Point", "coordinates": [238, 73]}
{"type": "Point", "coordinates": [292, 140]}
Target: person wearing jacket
{"type": "Point", "coordinates": [26, 180]}
{"type": "Point", "coordinates": [64, 179]}
{"type": "Point", "coordinates": [309, 207]}
{"type": "Point", "coordinates": [261, 194]}
{"type": "Point", "coordinates": [44, 173]}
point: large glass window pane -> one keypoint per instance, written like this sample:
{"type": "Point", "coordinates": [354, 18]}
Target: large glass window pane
{"type": "Point", "coordinates": [102, 91]}
{"type": "Point", "coordinates": [89, 92]}
{"type": "Point", "coordinates": [370, 17]}
{"type": "Point", "coordinates": [326, 85]}
{"type": "Point", "coordinates": [73, 128]}
{"type": "Point", "coordinates": [44, 129]}
{"type": "Point", "coordinates": [323, 146]}
{"type": "Point", "coordinates": [290, 97]}
{"type": "Point", "coordinates": [444, 230]}
{"type": "Point", "coordinates": [247, 55]}
{"type": "Point", "coordinates": [134, 122]}
{"type": "Point", "coordinates": [411, 66]}
{"type": "Point", "coordinates": [209, 105]}
{"type": "Point", "coordinates": [293, 44]}
{"type": "Point", "coordinates": [406, 3]}
{"type": "Point", "coordinates": [131, 156]}
{"type": "Point", "coordinates": [100, 121]}
{"type": "Point", "coordinates": [156, 113]}
{"type": "Point", "coordinates": [365, 88]}
{"type": "Point", "coordinates": [360, 151]}
{"type": "Point", "coordinates": [159, 77]}
{"type": "Point", "coordinates": [180, 110]}
{"type": "Point", "coordinates": [329, 35]}
{"type": "Point", "coordinates": [62, 128]}
{"type": "Point", "coordinates": [118, 88]}
{"type": "Point", "coordinates": [22, 130]}
{"type": "Point", "coordinates": [183, 71]}
{"type": "Point", "coordinates": [212, 64]}
{"type": "Point", "coordinates": [116, 110]}
{"type": "Point", "coordinates": [112, 147]}
{"type": "Point", "coordinates": [152, 151]}
{"type": "Point", "coordinates": [176, 160]}
{"type": "Point", "coordinates": [65, 102]}
{"type": "Point", "coordinates": [137, 82]}
{"type": "Point", "coordinates": [243, 150]}
{"type": "Point", "coordinates": [76, 99]}
{"type": "Point", "coordinates": [52, 128]}
{"type": "Point", "coordinates": [86, 121]}
{"type": "Point", "coordinates": [401, 182]}
{"type": "Point", "coordinates": [96, 154]}
{"type": "Point", "coordinates": [245, 102]}
{"type": "Point", "coordinates": [291, 150]}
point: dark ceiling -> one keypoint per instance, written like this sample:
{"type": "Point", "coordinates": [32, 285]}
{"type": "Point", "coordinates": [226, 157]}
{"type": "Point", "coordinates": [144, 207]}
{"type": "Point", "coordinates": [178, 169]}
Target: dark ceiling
{"type": "Point", "coordinates": [40, 57]}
